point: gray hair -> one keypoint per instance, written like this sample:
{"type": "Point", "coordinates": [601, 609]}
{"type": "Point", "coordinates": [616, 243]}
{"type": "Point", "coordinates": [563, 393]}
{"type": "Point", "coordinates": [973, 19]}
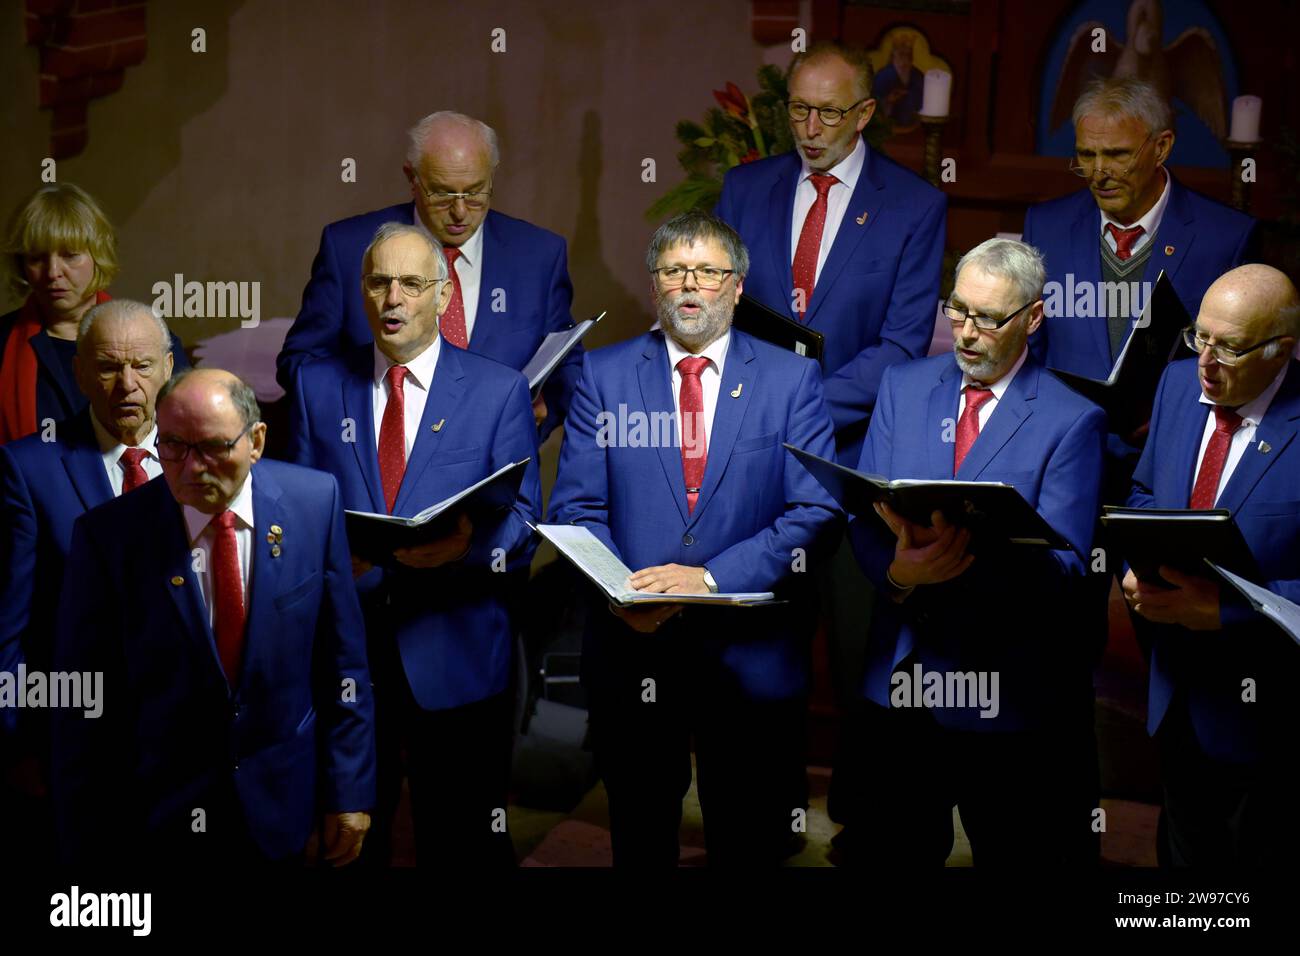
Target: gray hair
{"type": "Point", "coordinates": [122, 309]}
{"type": "Point", "coordinates": [241, 394]}
{"type": "Point", "coordinates": [855, 57]}
{"type": "Point", "coordinates": [1125, 96]}
{"type": "Point", "coordinates": [392, 230]}
{"type": "Point", "coordinates": [1286, 321]}
{"type": "Point", "coordinates": [419, 134]}
{"type": "Point", "coordinates": [693, 226]}
{"type": "Point", "coordinates": [1010, 259]}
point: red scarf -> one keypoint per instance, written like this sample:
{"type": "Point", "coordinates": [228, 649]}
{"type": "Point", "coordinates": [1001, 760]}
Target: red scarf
{"type": "Point", "coordinates": [18, 371]}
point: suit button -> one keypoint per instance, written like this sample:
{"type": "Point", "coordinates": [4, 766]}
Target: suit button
{"type": "Point", "coordinates": [687, 540]}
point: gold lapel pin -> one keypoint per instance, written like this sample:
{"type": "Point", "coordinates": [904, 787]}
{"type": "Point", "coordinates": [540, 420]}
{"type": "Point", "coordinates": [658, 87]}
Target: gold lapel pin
{"type": "Point", "coordinates": [177, 581]}
{"type": "Point", "coordinates": [1169, 250]}
{"type": "Point", "coordinates": [277, 530]}
{"type": "Point", "coordinates": [437, 426]}
{"type": "Point", "coordinates": [862, 220]}
{"type": "Point", "coordinates": [275, 550]}
{"type": "Point", "coordinates": [736, 392]}
{"type": "Point", "coordinates": [270, 538]}
{"type": "Point", "coordinates": [1265, 447]}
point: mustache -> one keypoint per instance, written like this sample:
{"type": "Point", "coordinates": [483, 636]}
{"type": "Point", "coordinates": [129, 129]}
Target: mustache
{"type": "Point", "coordinates": [397, 312]}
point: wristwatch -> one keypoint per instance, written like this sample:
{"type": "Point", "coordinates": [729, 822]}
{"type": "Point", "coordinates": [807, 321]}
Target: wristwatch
{"type": "Point", "coordinates": [711, 584]}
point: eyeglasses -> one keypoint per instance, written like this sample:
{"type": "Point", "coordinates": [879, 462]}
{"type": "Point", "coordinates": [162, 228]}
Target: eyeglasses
{"type": "Point", "coordinates": [985, 323]}
{"type": "Point", "coordinates": [212, 452]}
{"type": "Point", "coordinates": [376, 283]}
{"type": "Point", "coordinates": [475, 200]}
{"type": "Point", "coordinates": [706, 277]}
{"type": "Point", "coordinates": [1224, 355]}
{"type": "Point", "coordinates": [829, 115]}
{"type": "Point", "coordinates": [1087, 168]}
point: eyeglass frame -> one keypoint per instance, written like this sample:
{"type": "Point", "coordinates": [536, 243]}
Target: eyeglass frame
{"type": "Point", "coordinates": [1194, 343]}
{"type": "Point", "coordinates": [195, 447]}
{"type": "Point", "coordinates": [819, 109]}
{"type": "Point", "coordinates": [447, 200]}
{"type": "Point", "coordinates": [692, 271]}
{"type": "Point", "coordinates": [968, 314]}
{"type": "Point", "coordinates": [1077, 168]}
{"type": "Point", "coordinates": [389, 284]}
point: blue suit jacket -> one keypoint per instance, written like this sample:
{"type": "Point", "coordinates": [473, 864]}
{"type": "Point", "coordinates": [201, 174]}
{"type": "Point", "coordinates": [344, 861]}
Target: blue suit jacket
{"type": "Point", "coordinates": [1026, 615]}
{"type": "Point", "coordinates": [527, 264]}
{"type": "Point", "coordinates": [1198, 240]}
{"type": "Point", "coordinates": [44, 488]}
{"type": "Point", "coordinates": [1264, 497]}
{"type": "Point", "coordinates": [757, 505]}
{"type": "Point", "coordinates": [172, 733]}
{"type": "Point", "coordinates": [450, 623]}
{"type": "Point", "coordinates": [876, 298]}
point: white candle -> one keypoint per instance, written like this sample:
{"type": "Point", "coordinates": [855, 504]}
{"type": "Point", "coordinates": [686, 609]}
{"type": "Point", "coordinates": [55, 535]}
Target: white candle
{"type": "Point", "coordinates": [938, 90]}
{"type": "Point", "coordinates": [1245, 119]}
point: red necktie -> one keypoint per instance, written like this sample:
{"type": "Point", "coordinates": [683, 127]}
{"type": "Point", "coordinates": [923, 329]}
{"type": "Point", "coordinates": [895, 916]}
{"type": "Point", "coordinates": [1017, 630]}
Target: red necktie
{"type": "Point", "coordinates": [690, 402]}
{"type": "Point", "coordinates": [392, 437]}
{"type": "Point", "coordinates": [1206, 488]}
{"type": "Point", "coordinates": [227, 596]}
{"type": "Point", "coordinates": [810, 240]}
{"type": "Point", "coordinates": [1124, 239]}
{"type": "Point", "coordinates": [452, 323]}
{"type": "Point", "coordinates": [133, 475]}
{"type": "Point", "coordinates": [968, 426]}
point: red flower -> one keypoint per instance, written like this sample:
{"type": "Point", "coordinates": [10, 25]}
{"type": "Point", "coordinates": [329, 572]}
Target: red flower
{"type": "Point", "coordinates": [733, 101]}
{"type": "Point", "coordinates": [750, 156]}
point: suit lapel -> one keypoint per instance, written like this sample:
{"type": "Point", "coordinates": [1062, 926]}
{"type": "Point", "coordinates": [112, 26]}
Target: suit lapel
{"type": "Point", "coordinates": [358, 406]}
{"type": "Point", "coordinates": [1008, 415]}
{"type": "Point", "coordinates": [264, 568]}
{"type": "Point", "coordinates": [867, 199]}
{"type": "Point", "coordinates": [1191, 424]}
{"type": "Point", "coordinates": [442, 405]}
{"type": "Point", "coordinates": [1276, 431]}
{"type": "Point", "coordinates": [740, 371]}
{"type": "Point", "coordinates": [173, 543]}
{"type": "Point", "coordinates": [656, 385]}
{"type": "Point", "coordinates": [781, 211]}
{"type": "Point", "coordinates": [942, 408]}
{"type": "Point", "coordinates": [1176, 232]}
{"type": "Point", "coordinates": [1085, 250]}
{"type": "Point", "coordinates": [84, 463]}
{"type": "Point", "coordinates": [493, 274]}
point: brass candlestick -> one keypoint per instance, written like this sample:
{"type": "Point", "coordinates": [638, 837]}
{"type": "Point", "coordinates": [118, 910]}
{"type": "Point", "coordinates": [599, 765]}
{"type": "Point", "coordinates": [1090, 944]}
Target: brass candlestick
{"type": "Point", "coordinates": [1238, 153]}
{"type": "Point", "coordinates": [933, 131]}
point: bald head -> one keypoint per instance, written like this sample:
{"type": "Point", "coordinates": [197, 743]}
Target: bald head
{"type": "Point", "coordinates": [1244, 308]}
{"type": "Point", "coordinates": [209, 437]}
{"type": "Point", "coordinates": [451, 154]}
{"type": "Point", "coordinates": [124, 357]}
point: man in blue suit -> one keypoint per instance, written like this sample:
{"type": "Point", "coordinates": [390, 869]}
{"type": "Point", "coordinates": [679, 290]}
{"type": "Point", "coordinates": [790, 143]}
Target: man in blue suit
{"type": "Point", "coordinates": [1016, 753]}
{"type": "Point", "coordinates": [840, 237]}
{"type": "Point", "coordinates": [219, 607]}
{"type": "Point", "coordinates": [124, 358]}
{"type": "Point", "coordinates": [402, 423]}
{"type": "Point", "coordinates": [510, 279]}
{"type": "Point", "coordinates": [723, 507]}
{"type": "Point", "coordinates": [1133, 221]}
{"type": "Point", "coordinates": [1223, 678]}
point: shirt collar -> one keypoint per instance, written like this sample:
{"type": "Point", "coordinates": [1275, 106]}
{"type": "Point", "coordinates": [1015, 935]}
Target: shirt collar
{"type": "Point", "coordinates": [419, 369]}
{"type": "Point", "coordinates": [112, 449]}
{"type": "Point", "coordinates": [1252, 413]}
{"type": "Point", "coordinates": [1151, 221]}
{"type": "Point", "coordinates": [715, 352]}
{"type": "Point", "coordinates": [471, 250]}
{"type": "Point", "coordinates": [999, 387]}
{"type": "Point", "coordinates": [242, 505]}
{"type": "Point", "coordinates": [847, 170]}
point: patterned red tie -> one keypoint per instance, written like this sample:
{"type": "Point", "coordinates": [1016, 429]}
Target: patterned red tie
{"type": "Point", "coordinates": [392, 437]}
{"type": "Point", "coordinates": [968, 426]}
{"type": "Point", "coordinates": [1124, 239]}
{"type": "Point", "coordinates": [810, 240]}
{"type": "Point", "coordinates": [227, 596]}
{"type": "Point", "coordinates": [1206, 489]}
{"type": "Point", "coordinates": [695, 453]}
{"type": "Point", "coordinates": [133, 475]}
{"type": "Point", "coordinates": [452, 323]}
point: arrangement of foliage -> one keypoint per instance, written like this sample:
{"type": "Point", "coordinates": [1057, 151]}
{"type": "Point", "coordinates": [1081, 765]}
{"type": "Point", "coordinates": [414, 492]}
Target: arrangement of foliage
{"type": "Point", "coordinates": [738, 130]}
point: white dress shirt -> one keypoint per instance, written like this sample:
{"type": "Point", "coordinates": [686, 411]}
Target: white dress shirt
{"type": "Point", "coordinates": [415, 390]}
{"type": "Point", "coordinates": [202, 535]}
{"type": "Point", "coordinates": [1149, 223]}
{"type": "Point", "coordinates": [998, 389]}
{"type": "Point", "coordinates": [847, 171]}
{"type": "Point", "coordinates": [469, 269]}
{"type": "Point", "coordinates": [1252, 413]}
{"type": "Point", "coordinates": [111, 450]}
{"type": "Point", "coordinates": [710, 379]}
